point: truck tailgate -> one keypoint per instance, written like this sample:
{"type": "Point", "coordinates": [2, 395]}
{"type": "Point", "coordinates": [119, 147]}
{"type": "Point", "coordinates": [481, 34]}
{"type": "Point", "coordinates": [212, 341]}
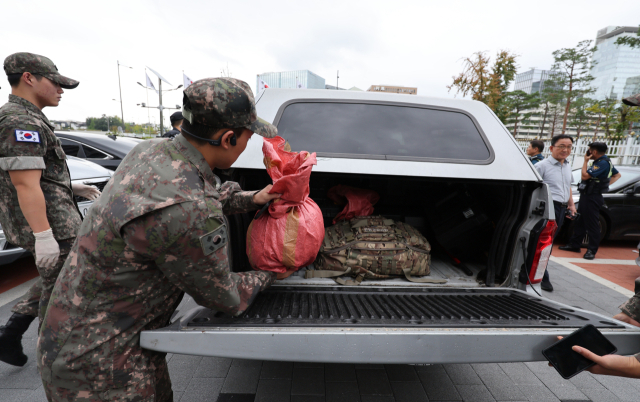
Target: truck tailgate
{"type": "Point", "coordinates": [386, 325]}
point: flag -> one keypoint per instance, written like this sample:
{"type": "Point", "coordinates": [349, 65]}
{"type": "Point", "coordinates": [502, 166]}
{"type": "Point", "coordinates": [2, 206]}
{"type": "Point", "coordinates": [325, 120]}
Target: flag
{"type": "Point", "coordinates": [150, 84]}
{"type": "Point", "coordinates": [187, 81]}
{"type": "Point", "coordinates": [262, 86]}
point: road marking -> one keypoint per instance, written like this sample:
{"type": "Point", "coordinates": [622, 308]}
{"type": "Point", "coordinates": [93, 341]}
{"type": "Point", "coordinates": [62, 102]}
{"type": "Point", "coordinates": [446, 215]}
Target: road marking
{"type": "Point", "coordinates": [594, 277]}
{"type": "Point", "coordinates": [16, 292]}
{"type": "Point", "coordinates": [598, 261]}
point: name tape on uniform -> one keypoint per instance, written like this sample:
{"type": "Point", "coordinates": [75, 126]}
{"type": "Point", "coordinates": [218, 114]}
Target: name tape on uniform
{"type": "Point", "coordinates": [27, 136]}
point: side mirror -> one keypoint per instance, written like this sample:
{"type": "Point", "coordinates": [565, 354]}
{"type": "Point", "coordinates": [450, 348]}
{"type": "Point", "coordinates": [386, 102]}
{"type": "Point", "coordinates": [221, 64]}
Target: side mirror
{"type": "Point", "coordinates": [629, 191]}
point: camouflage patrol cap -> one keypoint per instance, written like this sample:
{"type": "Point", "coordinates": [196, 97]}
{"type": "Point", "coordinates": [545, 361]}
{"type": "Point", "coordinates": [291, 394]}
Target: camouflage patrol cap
{"type": "Point", "coordinates": [224, 103]}
{"type": "Point", "coordinates": [633, 100]}
{"type": "Point", "coordinates": [35, 64]}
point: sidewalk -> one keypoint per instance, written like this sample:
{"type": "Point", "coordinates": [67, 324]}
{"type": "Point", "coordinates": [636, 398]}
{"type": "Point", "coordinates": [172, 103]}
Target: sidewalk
{"type": "Point", "coordinates": [196, 378]}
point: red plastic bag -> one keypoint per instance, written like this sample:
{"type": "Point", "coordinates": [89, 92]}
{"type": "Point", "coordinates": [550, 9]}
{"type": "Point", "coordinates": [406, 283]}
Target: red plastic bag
{"type": "Point", "coordinates": [359, 201]}
{"type": "Point", "coordinates": [289, 234]}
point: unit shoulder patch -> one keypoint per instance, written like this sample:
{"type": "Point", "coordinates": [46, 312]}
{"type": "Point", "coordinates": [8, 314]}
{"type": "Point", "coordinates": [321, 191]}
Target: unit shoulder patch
{"type": "Point", "coordinates": [27, 136]}
{"type": "Point", "coordinates": [214, 240]}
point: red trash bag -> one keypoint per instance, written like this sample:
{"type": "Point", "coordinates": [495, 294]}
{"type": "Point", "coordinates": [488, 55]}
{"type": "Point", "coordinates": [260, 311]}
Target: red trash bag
{"type": "Point", "coordinates": [289, 234]}
{"type": "Point", "coordinates": [359, 201]}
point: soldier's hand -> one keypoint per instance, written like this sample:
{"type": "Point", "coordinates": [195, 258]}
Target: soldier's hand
{"type": "Point", "coordinates": [625, 318]}
{"type": "Point", "coordinates": [89, 192]}
{"type": "Point", "coordinates": [47, 249]}
{"type": "Point", "coordinates": [263, 196]}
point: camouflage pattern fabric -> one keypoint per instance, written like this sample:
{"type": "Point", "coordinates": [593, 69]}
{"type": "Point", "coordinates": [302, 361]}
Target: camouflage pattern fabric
{"type": "Point", "coordinates": [633, 100]}
{"type": "Point", "coordinates": [147, 239]}
{"type": "Point", "coordinates": [62, 212]}
{"type": "Point", "coordinates": [35, 64]}
{"type": "Point", "coordinates": [224, 103]}
{"type": "Point", "coordinates": [632, 306]}
{"type": "Point", "coordinates": [36, 300]}
{"type": "Point", "coordinates": [373, 247]}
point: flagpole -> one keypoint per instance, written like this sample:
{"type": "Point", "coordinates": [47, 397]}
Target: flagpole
{"type": "Point", "coordinates": [148, 114]}
{"type": "Point", "coordinates": [160, 106]}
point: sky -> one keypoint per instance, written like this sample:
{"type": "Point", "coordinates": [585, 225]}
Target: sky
{"type": "Point", "coordinates": [409, 43]}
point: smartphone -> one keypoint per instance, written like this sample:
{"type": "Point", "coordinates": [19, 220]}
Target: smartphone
{"type": "Point", "coordinates": [588, 152]}
{"type": "Point", "coordinates": [569, 363]}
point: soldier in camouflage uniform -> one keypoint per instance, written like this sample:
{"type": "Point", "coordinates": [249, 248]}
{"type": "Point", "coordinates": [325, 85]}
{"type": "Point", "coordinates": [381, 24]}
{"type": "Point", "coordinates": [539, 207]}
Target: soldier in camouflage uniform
{"type": "Point", "coordinates": [158, 230]}
{"type": "Point", "coordinates": [622, 366]}
{"type": "Point", "coordinates": [37, 208]}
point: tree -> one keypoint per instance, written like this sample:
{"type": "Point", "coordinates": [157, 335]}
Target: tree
{"type": "Point", "coordinates": [604, 110]}
{"type": "Point", "coordinates": [521, 106]}
{"type": "Point", "coordinates": [573, 63]}
{"type": "Point", "coordinates": [551, 99]}
{"type": "Point", "coordinates": [103, 123]}
{"type": "Point", "coordinates": [625, 116]}
{"type": "Point", "coordinates": [580, 116]}
{"type": "Point", "coordinates": [485, 82]}
{"type": "Point", "coordinates": [629, 40]}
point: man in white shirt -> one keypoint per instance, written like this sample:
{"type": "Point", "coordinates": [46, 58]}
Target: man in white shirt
{"type": "Point", "coordinates": [556, 173]}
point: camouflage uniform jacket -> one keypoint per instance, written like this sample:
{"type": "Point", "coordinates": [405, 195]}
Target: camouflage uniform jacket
{"type": "Point", "coordinates": [141, 244]}
{"type": "Point", "coordinates": [18, 153]}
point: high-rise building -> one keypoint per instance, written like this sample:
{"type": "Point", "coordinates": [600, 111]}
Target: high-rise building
{"type": "Point", "coordinates": [291, 79]}
{"type": "Point", "coordinates": [613, 65]}
{"type": "Point", "coordinates": [532, 81]}
{"type": "Point", "coordinates": [393, 89]}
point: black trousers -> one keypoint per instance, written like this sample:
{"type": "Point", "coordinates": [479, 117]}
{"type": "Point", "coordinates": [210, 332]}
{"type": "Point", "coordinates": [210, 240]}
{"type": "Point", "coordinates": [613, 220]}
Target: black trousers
{"type": "Point", "coordinates": [588, 223]}
{"type": "Point", "coordinates": [560, 211]}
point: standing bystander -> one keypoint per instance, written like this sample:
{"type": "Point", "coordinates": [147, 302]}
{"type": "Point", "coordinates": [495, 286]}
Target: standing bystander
{"type": "Point", "coordinates": [534, 151]}
{"type": "Point", "coordinates": [37, 208]}
{"type": "Point", "coordinates": [176, 125]}
{"type": "Point", "coordinates": [596, 179]}
{"type": "Point", "coordinates": [556, 173]}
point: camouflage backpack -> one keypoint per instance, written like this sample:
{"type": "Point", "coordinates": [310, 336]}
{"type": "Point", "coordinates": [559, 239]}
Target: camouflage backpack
{"type": "Point", "coordinates": [372, 247]}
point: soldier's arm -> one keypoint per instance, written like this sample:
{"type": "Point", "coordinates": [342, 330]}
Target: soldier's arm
{"type": "Point", "coordinates": [235, 201]}
{"type": "Point", "coordinates": [183, 254]}
{"type": "Point", "coordinates": [31, 198]}
{"type": "Point", "coordinates": [631, 307]}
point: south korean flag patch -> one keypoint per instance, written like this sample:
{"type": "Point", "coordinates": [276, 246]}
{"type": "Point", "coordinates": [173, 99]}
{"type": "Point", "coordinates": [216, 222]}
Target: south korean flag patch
{"type": "Point", "coordinates": [27, 136]}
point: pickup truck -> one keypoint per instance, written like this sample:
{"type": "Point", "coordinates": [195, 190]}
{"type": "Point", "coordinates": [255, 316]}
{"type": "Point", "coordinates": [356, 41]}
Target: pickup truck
{"type": "Point", "coordinates": [447, 167]}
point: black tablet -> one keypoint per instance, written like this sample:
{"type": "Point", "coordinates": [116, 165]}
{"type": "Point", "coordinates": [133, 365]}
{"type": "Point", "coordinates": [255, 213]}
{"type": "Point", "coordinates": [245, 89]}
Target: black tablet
{"type": "Point", "coordinates": [569, 363]}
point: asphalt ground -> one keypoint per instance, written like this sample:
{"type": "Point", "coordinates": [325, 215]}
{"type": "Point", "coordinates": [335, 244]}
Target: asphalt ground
{"type": "Point", "coordinates": [600, 285]}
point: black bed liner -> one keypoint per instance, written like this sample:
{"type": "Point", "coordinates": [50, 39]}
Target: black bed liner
{"type": "Point", "coordinates": [400, 308]}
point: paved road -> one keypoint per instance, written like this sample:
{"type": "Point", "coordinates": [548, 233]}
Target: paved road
{"type": "Point", "coordinates": [210, 379]}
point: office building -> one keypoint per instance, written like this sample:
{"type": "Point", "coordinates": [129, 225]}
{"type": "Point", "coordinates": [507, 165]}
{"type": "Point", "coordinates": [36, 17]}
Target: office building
{"type": "Point", "coordinates": [392, 89]}
{"type": "Point", "coordinates": [631, 86]}
{"type": "Point", "coordinates": [614, 67]}
{"type": "Point", "coordinates": [532, 81]}
{"type": "Point", "coordinates": [292, 79]}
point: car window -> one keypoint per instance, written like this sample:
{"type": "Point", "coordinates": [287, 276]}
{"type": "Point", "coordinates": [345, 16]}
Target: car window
{"type": "Point", "coordinates": [626, 178]}
{"type": "Point", "coordinates": [69, 147]}
{"type": "Point", "coordinates": [92, 153]}
{"type": "Point", "coordinates": [396, 132]}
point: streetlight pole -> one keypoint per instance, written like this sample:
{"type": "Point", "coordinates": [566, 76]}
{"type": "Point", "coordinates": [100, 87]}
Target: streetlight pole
{"type": "Point", "coordinates": [120, 88]}
{"type": "Point", "coordinates": [161, 107]}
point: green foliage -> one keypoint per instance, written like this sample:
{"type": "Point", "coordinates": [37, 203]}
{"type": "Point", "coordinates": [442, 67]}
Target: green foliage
{"type": "Point", "coordinates": [103, 123]}
{"type": "Point", "coordinates": [604, 112]}
{"type": "Point", "coordinates": [485, 82]}
{"type": "Point", "coordinates": [580, 115]}
{"type": "Point", "coordinates": [520, 106]}
{"type": "Point", "coordinates": [575, 80]}
{"type": "Point", "coordinates": [625, 116]}
{"type": "Point", "coordinates": [629, 40]}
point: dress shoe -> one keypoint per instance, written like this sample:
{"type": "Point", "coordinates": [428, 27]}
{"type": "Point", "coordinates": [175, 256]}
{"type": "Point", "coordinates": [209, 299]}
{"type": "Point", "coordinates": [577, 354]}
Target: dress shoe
{"type": "Point", "coordinates": [11, 339]}
{"type": "Point", "coordinates": [570, 248]}
{"type": "Point", "coordinates": [546, 285]}
{"type": "Point", "coordinates": [589, 255]}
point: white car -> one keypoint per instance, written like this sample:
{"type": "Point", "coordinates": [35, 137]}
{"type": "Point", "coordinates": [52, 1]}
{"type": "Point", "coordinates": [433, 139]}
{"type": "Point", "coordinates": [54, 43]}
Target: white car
{"type": "Point", "coordinates": [81, 171]}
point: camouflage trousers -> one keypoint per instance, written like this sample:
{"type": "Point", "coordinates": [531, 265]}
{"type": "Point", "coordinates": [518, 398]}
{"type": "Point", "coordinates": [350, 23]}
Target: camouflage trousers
{"type": "Point", "coordinates": [150, 389]}
{"type": "Point", "coordinates": [36, 300]}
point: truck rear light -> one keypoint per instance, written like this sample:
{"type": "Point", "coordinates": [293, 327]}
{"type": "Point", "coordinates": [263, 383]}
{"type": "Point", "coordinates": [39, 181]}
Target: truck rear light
{"type": "Point", "coordinates": [543, 252]}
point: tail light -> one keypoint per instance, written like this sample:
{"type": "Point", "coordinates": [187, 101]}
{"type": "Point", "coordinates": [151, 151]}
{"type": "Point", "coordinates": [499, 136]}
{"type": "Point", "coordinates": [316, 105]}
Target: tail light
{"type": "Point", "coordinates": [542, 253]}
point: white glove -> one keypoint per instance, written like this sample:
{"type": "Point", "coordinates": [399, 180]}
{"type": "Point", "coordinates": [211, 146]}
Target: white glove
{"type": "Point", "coordinates": [88, 192]}
{"type": "Point", "coordinates": [47, 249]}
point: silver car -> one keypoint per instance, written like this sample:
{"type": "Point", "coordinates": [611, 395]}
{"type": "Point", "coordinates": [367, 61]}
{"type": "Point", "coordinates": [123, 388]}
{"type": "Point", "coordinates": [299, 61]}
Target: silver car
{"type": "Point", "coordinates": [81, 171]}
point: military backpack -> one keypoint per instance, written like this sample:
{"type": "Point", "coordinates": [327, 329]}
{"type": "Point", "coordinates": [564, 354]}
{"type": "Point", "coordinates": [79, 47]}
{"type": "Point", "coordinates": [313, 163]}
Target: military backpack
{"type": "Point", "coordinates": [372, 247]}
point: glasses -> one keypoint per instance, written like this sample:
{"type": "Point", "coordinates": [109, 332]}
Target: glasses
{"type": "Point", "coordinates": [565, 147]}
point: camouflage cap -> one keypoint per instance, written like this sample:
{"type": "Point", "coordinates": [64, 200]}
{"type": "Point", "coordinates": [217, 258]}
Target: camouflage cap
{"type": "Point", "coordinates": [224, 103]}
{"type": "Point", "coordinates": [633, 100]}
{"type": "Point", "coordinates": [35, 64]}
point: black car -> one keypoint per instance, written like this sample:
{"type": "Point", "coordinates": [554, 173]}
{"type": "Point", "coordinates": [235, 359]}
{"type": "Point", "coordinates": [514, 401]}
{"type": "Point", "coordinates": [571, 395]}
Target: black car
{"type": "Point", "coordinates": [620, 214]}
{"type": "Point", "coordinates": [106, 151]}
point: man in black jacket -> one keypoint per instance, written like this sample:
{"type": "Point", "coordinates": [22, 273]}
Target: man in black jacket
{"type": "Point", "coordinates": [176, 122]}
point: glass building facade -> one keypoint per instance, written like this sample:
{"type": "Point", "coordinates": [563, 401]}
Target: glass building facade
{"type": "Point", "coordinates": [292, 79]}
{"type": "Point", "coordinates": [532, 81]}
{"type": "Point", "coordinates": [615, 68]}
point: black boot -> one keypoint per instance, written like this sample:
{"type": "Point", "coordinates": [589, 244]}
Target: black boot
{"type": "Point", "coordinates": [11, 339]}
